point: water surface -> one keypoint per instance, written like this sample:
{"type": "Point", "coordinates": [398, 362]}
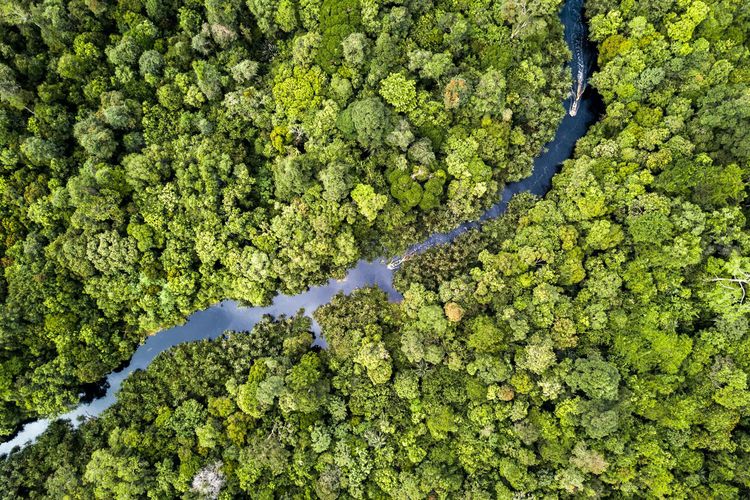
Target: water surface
{"type": "Point", "coordinates": [229, 315]}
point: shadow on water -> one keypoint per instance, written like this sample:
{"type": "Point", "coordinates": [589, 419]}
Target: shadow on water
{"type": "Point", "coordinates": [539, 182]}
{"type": "Point", "coordinates": [212, 322]}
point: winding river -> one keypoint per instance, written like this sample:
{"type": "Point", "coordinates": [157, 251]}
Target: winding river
{"type": "Point", "coordinates": [583, 106]}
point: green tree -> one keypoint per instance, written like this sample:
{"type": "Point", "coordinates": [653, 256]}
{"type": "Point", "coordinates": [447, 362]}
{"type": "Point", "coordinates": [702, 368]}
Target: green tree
{"type": "Point", "coordinates": [368, 201]}
{"type": "Point", "coordinates": [596, 378]}
{"type": "Point", "coordinates": [115, 477]}
{"type": "Point", "coordinates": [399, 92]}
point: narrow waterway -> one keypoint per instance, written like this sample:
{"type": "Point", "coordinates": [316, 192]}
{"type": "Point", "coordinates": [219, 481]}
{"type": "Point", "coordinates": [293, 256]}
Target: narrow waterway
{"type": "Point", "coordinates": [228, 315]}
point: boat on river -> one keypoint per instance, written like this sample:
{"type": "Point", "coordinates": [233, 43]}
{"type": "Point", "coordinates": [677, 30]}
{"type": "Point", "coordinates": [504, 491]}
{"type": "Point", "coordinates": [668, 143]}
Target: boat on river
{"type": "Point", "coordinates": [583, 109]}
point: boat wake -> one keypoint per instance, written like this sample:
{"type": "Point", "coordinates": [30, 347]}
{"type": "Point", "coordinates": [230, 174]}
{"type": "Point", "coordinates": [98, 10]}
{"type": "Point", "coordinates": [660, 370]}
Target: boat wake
{"type": "Point", "coordinates": [583, 110]}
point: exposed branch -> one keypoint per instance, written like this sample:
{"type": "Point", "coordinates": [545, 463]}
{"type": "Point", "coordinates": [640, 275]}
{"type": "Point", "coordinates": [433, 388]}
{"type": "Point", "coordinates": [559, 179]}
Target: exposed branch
{"type": "Point", "coordinates": [742, 282]}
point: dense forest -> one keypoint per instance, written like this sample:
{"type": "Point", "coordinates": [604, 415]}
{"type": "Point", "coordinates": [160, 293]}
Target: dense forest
{"type": "Point", "coordinates": [159, 156]}
{"type": "Point", "coordinates": [594, 342]}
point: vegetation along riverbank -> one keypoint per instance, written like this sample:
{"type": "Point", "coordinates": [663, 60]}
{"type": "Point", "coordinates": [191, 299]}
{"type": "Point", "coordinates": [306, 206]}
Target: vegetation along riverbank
{"type": "Point", "coordinates": [590, 342]}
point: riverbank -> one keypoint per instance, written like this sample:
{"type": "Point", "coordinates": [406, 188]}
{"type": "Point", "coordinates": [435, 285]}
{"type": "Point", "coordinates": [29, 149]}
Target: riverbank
{"type": "Point", "coordinates": [228, 315]}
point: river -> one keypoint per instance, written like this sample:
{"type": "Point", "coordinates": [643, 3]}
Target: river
{"type": "Point", "coordinates": [229, 315]}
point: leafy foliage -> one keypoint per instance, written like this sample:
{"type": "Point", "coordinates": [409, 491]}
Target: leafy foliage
{"type": "Point", "coordinates": [160, 156]}
{"type": "Point", "coordinates": [592, 343]}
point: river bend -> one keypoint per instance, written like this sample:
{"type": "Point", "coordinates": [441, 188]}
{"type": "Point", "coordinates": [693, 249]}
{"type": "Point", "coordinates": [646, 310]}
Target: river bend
{"type": "Point", "coordinates": [229, 315]}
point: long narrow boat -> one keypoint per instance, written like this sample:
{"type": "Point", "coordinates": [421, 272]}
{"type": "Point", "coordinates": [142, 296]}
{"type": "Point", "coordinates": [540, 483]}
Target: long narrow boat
{"type": "Point", "coordinates": [580, 88]}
